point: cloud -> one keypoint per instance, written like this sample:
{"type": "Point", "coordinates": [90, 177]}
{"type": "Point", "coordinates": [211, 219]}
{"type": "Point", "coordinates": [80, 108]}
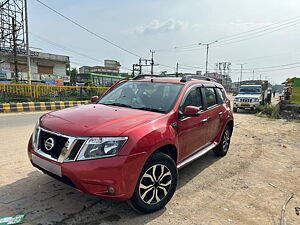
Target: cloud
{"type": "Point", "coordinates": [156, 26]}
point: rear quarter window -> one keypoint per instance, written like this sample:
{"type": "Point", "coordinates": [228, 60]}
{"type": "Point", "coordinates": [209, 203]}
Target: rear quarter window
{"type": "Point", "coordinates": [220, 95]}
{"type": "Point", "coordinates": [211, 97]}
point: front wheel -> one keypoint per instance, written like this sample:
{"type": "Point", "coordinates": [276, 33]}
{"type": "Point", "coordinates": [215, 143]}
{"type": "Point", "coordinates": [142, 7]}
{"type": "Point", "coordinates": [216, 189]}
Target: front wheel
{"type": "Point", "coordinates": [156, 185]}
{"type": "Point", "coordinates": [222, 148]}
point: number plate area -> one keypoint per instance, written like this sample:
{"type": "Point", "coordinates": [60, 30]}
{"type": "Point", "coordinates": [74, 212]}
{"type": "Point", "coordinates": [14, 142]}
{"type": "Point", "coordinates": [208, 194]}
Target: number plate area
{"type": "Point", "coordinates": [50, 167]}
{"type": "Point", "coordinates": [245, 104]}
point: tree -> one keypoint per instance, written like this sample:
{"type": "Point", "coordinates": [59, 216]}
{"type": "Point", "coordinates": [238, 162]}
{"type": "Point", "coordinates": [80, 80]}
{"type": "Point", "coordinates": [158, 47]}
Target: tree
{"type": "Point", "coordinates": [73, 76]}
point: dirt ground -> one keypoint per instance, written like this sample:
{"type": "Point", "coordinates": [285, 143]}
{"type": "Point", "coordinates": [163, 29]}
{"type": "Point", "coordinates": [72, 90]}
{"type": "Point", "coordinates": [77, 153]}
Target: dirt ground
{"type": "Point", "coordinates": [249, 186]}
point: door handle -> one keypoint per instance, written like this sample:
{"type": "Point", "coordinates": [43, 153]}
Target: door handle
{"type": "Point", "coordinates": [204, 120]}
{"type": "Point", "coordinates": [220, 114]}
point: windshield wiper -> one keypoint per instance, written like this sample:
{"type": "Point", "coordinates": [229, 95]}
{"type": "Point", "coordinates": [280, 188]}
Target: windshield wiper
{"type": "Point", "coordinates": [117, 104]}
{"type": "Point", "coordinates": [151, 109]}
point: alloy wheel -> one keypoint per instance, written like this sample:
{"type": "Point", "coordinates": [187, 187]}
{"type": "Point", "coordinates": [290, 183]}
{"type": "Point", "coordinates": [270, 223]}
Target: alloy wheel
{"type": "Point", "coordinates": [155, 184]}
{"type": "Point", "coordinates": [226, 140]}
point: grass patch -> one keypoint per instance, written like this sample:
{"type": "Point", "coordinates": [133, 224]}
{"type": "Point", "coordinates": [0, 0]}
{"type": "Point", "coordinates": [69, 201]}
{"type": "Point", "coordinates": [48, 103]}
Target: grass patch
{"type": "Point", "coordinates": [295, 121]}
{"type": "Point", "coordinates": [268, 111]}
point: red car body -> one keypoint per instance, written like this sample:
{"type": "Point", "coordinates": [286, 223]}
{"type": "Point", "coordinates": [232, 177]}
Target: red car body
{"type": "Point", "coordinates": [183, 139]}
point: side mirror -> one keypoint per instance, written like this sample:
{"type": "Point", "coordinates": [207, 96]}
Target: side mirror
{"type": "Point", "coordinates": [191, 111]}
{"type": "Point", "coordinates": [94, 99]}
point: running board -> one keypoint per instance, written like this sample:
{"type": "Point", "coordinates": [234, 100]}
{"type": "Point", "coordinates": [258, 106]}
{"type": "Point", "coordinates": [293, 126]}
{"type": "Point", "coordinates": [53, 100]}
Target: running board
{"type": "Point", "coordinates": [196, 155]}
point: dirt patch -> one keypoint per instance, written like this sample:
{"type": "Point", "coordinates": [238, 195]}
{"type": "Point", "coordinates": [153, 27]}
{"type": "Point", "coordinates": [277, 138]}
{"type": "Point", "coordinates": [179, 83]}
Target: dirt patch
{"type": "Point", "coordinates": [247, 187]}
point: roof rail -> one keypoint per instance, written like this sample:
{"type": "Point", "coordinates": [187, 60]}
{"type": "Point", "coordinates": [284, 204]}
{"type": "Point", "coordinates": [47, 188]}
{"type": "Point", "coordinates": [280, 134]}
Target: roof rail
{"type": "Point", "coordinates": [141, 76]}
{"type": "Point", "coordinates": [196, 77]}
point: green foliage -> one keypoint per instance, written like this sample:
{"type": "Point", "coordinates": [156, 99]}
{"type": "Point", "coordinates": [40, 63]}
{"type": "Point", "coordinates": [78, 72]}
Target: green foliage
{"type": "Point", "coordinates": [90, 83]}
{"type": "Point", "coordinates": [268, 111]}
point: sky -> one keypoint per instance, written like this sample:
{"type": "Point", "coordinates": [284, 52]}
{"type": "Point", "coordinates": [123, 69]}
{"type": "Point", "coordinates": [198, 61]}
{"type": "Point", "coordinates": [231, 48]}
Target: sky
{"type": "Point", "coordinates": [173, 28]}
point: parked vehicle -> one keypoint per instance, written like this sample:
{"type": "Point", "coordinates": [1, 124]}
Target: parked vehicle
{"type": "Point", "coordinates": [129, 144]}
{"type": "Point", "coordinates": [251, 95]}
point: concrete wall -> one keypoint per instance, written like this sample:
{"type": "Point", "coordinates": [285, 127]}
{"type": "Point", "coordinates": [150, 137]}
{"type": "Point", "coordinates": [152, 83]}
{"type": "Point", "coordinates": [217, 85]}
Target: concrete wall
{"type": "Point", "coordinates": [58, 62]}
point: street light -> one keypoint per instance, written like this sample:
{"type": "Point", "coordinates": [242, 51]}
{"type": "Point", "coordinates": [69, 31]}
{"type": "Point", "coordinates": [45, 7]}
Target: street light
{"type": "Point", "coordinates": [207, 47]}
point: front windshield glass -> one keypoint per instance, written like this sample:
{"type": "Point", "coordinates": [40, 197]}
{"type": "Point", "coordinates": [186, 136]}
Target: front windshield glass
{"type": "Point", "coordinates": [150, 96]}
{"type": "Point", "coordinates": [247, 90]}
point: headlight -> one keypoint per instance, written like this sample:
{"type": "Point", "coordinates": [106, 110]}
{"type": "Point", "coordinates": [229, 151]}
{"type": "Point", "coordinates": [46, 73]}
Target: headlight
{"type": "Point", "coordinates": [35, 136]}
{"type": "Point", "coordinates": [256, 100]}
{"type": "Point", "coordinates": [236, 99]}
{"type": "Point", "coordinates": [100, 147]}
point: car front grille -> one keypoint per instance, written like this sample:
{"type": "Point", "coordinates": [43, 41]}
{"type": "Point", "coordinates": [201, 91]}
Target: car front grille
{"type": "Point", "coordinates": [246, 99]}
{"type": "Point", "coordinates": [58, 147]}
{"type": "Point", "coordinates": [59, 143]}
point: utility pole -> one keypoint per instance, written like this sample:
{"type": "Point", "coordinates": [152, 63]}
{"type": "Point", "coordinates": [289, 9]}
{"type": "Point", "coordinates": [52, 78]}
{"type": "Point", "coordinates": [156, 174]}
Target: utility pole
{"type": "Point", "coordinates": [27, 44]}
{"type": "Point", "coordinates": [152, 61]}
{"type": "Point", "coordinates": [15, 49]}
{"type": "Point", "coordinates": [207, 47]}
{"type": "Point", "coordinates": [253, 75]}
{"type": "Point", "coordinates": [177, 70]}
{"type": "Point", "coordinates": [241, 76]}
{"type": "Point", "coordinates": [140, 65]}
{"type": "Point", "coordinates": [260, 76]}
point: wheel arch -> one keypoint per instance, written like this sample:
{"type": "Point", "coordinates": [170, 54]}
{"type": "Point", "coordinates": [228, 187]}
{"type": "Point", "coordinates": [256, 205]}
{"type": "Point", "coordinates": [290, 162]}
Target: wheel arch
{"type": "Point", "coordinates": [168, 149]}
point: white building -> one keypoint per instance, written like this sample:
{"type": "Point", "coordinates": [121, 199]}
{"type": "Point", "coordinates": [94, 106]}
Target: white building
{"type": "Point", "coordinates": [44, 66]}
{"type": "Point", "coordinates": [111, 67]}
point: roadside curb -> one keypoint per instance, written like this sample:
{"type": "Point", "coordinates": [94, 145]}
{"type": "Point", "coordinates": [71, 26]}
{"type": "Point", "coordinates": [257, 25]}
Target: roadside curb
{"type": "Point", "coordinates": [38, 106]}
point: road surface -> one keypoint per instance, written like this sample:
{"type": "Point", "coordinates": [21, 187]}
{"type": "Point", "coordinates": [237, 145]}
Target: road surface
{"type": "Point", "coordinates": [247, 187]}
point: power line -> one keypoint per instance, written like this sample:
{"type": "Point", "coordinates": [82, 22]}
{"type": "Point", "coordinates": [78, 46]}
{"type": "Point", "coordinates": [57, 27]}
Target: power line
{"type": "Point", "coordinates": [284, 65]}
{"type": "Point", "coordinates": [70, 50]}
{"type": "Point", "coordinates": [243, 36]}
{"type": "Point", "coordinates": [282, 22]}
{"type": "Point", "coordinates": [63, 47]}
{"type": "Point", "coordinates": [256, 36]}
{"type": "Point", "coordinates": [89, 31]}
{"type": "Point", "coordinates": [263, 71]}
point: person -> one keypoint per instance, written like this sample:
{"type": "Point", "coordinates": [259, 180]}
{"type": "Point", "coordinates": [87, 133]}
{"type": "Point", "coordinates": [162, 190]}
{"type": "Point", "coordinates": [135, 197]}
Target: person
{"type": "Point", "coordinates": [269, 96]}
{"type": "Point", "coordinates": [274, 92]}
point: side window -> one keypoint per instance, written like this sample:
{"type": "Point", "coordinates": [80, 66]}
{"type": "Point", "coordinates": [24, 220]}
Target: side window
{"type": "Point", "coordinates": [193, 98]}
{"type": "Point", "coordinates": [220, 95]}
{"type": "Point", "coordinates": [211, 98]}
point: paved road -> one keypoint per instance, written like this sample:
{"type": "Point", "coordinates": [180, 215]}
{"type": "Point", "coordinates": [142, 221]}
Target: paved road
{"type": "Point", "coordinates": [212, 190]}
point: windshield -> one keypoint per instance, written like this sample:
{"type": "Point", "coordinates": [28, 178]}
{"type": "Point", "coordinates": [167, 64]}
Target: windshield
{"type": "Point", "coordinates": [250, 90]}
{"type": "Point", "coordinates": [150, 96]}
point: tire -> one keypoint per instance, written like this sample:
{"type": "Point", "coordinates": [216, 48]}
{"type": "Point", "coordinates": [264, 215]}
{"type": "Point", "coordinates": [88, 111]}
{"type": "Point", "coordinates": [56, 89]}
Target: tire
{"type": "Point", "coordinates": [161, 185]}
{"type": "Point", "coordinates": [222, 148]}
{"type": "Point", "coordinates": [234, 109]}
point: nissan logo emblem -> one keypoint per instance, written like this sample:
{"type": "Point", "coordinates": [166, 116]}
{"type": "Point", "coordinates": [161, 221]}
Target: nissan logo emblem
{"type": "Point", "coordinates": [49, 144]}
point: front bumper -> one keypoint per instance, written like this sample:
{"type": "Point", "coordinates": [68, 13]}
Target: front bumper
{"type": "Point", "coordinates": [95, 176]}
{"type": "Point", "coordinates": [243, 105]}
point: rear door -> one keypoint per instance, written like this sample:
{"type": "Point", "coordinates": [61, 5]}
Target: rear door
{"type": "Point", "coordinates": [192, 130]}
{"type": "Point", "coordinates": [213, 111]}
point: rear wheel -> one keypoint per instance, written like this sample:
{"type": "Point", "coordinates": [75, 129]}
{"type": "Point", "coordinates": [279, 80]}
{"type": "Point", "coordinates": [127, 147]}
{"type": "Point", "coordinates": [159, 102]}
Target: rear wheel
{"type": "Point", "coordinates": [234, 109]}
{"type": "Point", "coordinates": [156, 185]}
{"type": "Point", "coordinates": [222, 148]}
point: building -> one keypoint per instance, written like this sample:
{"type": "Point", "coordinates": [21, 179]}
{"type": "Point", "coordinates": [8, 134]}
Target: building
{"type": "Point", "coordinates": [111, 67]}
{"type": "Point", "coordinates": [223, 79]}
{"type": "Point", "coordinates": [292, 90]}
{"type": "Point", "coordinates": [44, 66]}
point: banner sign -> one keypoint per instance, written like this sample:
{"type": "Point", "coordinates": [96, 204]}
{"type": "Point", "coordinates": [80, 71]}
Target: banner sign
{"type": "Point", "coordinates": [2, 74]}
{"type": "Point", "coordinates": [59, 82]}
{"type": "Point", "coordinates": [50, 82]}
{"type": "Point", "coordinates": [19, 51]}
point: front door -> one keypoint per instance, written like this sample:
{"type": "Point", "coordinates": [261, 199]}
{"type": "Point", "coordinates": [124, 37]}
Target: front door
{"type": "Point", "coordinates": [192, 130]}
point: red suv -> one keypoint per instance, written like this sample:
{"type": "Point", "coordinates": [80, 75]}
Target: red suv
{"type": "Point", "coordinates": [130, 143]}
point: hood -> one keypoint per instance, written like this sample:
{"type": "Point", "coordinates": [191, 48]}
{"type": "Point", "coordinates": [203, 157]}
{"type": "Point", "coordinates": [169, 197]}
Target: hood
{"type": "Point", "coordinates": [96, 120]}
{"type": "Point", "coordinates": [248, 96]}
